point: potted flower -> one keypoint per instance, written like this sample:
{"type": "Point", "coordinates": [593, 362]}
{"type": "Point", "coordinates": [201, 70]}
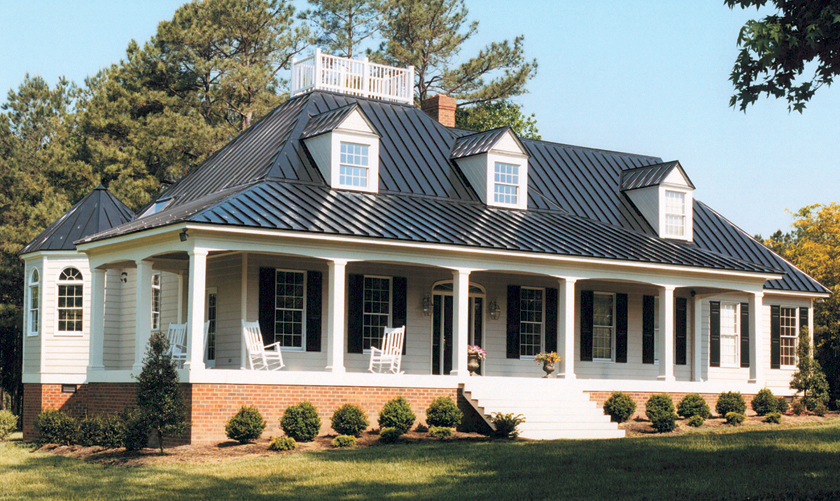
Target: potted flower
{"type": "Point", "coordinates": [547, 360]}
{"type": "Point", "coordinates": [474, 354]}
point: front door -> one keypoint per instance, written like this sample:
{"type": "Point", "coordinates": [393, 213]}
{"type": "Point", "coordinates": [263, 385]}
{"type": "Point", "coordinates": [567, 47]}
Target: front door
{"type": "Point", "coordinates": [442, 328]}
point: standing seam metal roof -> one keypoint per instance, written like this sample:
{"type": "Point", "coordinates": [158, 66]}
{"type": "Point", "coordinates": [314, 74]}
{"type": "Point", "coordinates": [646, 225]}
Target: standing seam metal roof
{"type": "Point", "coordinates": [651, 175]}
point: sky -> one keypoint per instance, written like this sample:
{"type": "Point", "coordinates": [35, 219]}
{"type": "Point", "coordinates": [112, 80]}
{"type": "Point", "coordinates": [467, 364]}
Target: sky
{"type": "Point", "coordinates": [645, 77]}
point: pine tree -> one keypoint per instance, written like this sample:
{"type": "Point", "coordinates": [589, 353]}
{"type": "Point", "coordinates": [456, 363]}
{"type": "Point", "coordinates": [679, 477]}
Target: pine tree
{"type": "Point", "coordinates": [808, 378]}
{"type": "Point", "coordinates": [342, 26]}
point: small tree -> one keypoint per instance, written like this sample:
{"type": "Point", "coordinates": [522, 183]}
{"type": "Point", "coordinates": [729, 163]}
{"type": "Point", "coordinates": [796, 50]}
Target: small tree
{"type": "Point", "coordinates": [158, 396]}
{"type": "Point", "coordinates": [808, 378]}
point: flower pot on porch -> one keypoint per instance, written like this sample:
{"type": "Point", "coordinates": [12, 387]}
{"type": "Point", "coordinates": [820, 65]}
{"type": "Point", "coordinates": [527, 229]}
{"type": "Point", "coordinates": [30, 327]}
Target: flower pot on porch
{"type": "Point", "coordinates": [548, 367]}
{"type": "Point", "coordinates": [473, 364]}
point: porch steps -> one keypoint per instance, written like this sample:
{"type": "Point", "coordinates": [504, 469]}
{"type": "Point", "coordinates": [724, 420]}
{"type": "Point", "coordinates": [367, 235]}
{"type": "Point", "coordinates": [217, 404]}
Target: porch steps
{"type": "Point", "coordinates": [552, 409]}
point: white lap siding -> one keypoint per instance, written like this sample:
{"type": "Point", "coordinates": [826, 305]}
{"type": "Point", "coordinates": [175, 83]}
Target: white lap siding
{"type": "Point", "coordinates": [32, 344]}
{"type": "Point", "coordinates": [224, 274]}
{"type": "Point", "coordinates": [64, 353]}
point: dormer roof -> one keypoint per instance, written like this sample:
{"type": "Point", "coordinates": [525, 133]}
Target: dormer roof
{"type": "Point", "coordinates": [328, 121]}
{"type": "Point", "coordinates": [652, 175]}
{"type": "Point", "coordinates": [483, 142]}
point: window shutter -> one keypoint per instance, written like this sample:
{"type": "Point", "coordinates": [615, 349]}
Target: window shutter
{"type": "Point", "coordinates": [745, 334]}
{"type": "Point", "coordinates": [398, 309]}
{"type": "Point", "coordinates": [775, 337]}
{"type": "Point", "coordinates": [587, 301]}
{"type": "Point", "coordinates": [513, 321]}
{"type": "Point", "coordinates": [621, 328]}
{"type": "Point", "coordinates": [681, 331]}
{"type": "Point", "coordinates": [355, 315]}
{"type": "Point", "coordinates": [714, 334]}
{"type": "Point", "coordinates": [314, 298]}
{"type": "Point", "coordinates": [551, 320]}
{"type": "Point", "coordinates": [268, 277]}
{"type": "Point", "coordinates": [648, 304]}
{"type": "Point", "coordinates": [803, 319]}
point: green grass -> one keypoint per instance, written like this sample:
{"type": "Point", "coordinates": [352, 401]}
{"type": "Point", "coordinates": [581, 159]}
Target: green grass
{"type": "Point", "coordinates": [793, 463]}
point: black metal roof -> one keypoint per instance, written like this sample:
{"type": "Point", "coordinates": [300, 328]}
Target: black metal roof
{"type": "Point", "coordinates": [328, 121]}
{"type": "Point", "coordinates": [478, 142]}
{"type": "Point", "coordinates": [651, 175]}
{"type": "Point", "coordinates": [98, 211]}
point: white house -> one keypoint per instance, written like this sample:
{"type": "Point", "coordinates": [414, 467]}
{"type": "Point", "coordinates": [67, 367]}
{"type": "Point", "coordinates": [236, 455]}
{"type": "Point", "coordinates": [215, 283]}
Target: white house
{"type": "Point", "coordinates": [339, 214]}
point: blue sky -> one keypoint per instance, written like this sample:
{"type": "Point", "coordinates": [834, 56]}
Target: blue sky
{"type": "Point", "coordinates": [648, 77]}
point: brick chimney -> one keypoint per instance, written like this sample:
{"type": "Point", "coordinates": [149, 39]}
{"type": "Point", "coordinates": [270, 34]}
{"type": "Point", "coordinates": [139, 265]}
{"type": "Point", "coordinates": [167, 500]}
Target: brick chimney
{"type": "Point", "coordinates": [441, 108]}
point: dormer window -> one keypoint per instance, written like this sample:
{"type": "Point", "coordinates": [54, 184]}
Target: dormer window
{"type": "Point", "coordinates": [506, 186]}
{"type": "Point", "coordinates": [354, 165]}
{"type": "Point", "coordinates": [663, 194]}
{"type": "Point", "coordinates": [674, 214]}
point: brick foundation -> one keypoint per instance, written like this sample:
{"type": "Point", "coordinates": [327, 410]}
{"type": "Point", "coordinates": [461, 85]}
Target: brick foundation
{"type": "Point", "coordinates": [641, 397]}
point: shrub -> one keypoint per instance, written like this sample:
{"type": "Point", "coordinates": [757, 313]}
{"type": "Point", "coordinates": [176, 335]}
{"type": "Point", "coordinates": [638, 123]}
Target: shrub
{"type": "Point", "coordinates": [696, 421]}
{"type": "Point", "coordinates": [113, 432]}
{"type": "Point", "coordinates": [246, 425]}
{"type": "Point", "coordinates": [8, 423]}
{"type": "Point", "coordinates": [344, 441]}
{"type": "Point", "coordinates": [820, 408]}
{"type": "Point", "coordinates": [764, 402]}
{"type": "Point", "coordinates": [301, 422]}
{"type": "Point", "coordinates": [158, 394]}
{"type": "Point", "coordinates": [735, 418]}
{"type": "Point", "coordinates": [349, 419]}
{"type": "Point", "coordinates": [730, 401]}
{"type": "Point", "coordinates": [620, 407]}
{"type": "Point", "coordinates": [421, 428]}
{"type": "Point", "coordinates": [397, 414]}
{"type": "Point", "coordinates": [782, 404]}
{"type": "Point", "coordinates": [507, 425]}
{"type": "Point", "coordinates": [693, 405]}
{"type": "Point", "coordinates": [440, 432]}
{"type": "Point", "coordinates": [56, 427]}
{"type": "Point", "coordinates": [389, 435]}
{"type": "Point", "coordinates": [91, 431]}
{"type": "Point", "coordinates": [660, 411]}
{"type": "Point", "coordinates": [773, 417]}
{"type": "Point", "coordinates": [136, 430]}
{"type": "Point", "coordinates": [282, 444]}
{"type": "Point", "coordinates": [443, 413]}
{"type": "Point", "coordinates": [798, 407]}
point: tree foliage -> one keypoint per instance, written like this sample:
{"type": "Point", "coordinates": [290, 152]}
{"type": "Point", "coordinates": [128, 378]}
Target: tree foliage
{"type": "Point", "coordinates": [777, 50]}
{"type": "Point", "coordinates": [486, 116]}
{"type": "Point", "coordinates": [808, 378]}
{"type": "Point", "coordinates": [342, 26]}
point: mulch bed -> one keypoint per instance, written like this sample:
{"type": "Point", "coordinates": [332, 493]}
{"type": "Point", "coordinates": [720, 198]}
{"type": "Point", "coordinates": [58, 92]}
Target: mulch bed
{"type": "Point", "coordinates": [640, 427]}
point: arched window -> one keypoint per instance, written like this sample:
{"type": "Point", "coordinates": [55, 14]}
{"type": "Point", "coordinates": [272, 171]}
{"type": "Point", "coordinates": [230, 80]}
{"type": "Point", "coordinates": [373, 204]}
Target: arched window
{"type": "Point", "coordinates": [34, 302]}
{"type": "Point", "coordinates": [70, 293]}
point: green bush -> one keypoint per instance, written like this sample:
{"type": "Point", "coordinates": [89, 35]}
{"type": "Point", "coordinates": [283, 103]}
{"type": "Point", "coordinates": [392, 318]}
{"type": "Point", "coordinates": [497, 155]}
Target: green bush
{"type": "Point", "coordinates": [159, 395]}
{"type": "Point", "coordinates": [798, 407]}
{"type": "Point", "coordinates": [660, 411]}
{"type": "Point", "coordinates": [344, 441]}
{"type": "Point", "coordinates": [820, 409]}
{"type": "Point", "coordinates": [246, 425]}
{"type": "Point", "coordinates": [397, 414]}
{"type": "Point", "coordinates": [782, 405]}
{"type": "Point", "coordinates": [730, 401]}
{"type": "Point", "coordinates": [136, 430]}
{"type": "Point", "coordinates": [773, 417]}
{"type": "Point", "coordinates": [440, 432]}
{"type": "Point", "coordinates": [620, 407]}
{"type": "Point", "coordinates": [349, 419]}
{"type": "Point", "coordinates": [443, 413]}
{"type": "Point", "coordinates": [764, 402]}
{"type": "Point", "coordinates": [389, 435]}
{"type": "Point", "coordinates": [735, 418]}
{"type": "Point", "coordinates": [56, 427]}
{"type": "Point", "coordinates": [421, 428]}
{"type": "Point", "coordinates": [696, 421]}
{"type": "Point", "coordinates": [693, 405]}
{"type": "Point", "coordinates": [282, 444]}
{"type": "Point", "coordinates": [507, 425]}
{"type": "Point", "coordinates": [301, 422]}
{"type": "Point", "coordinates": [8, 423]}
{"type": "Point", "coordinates": [91, 431]}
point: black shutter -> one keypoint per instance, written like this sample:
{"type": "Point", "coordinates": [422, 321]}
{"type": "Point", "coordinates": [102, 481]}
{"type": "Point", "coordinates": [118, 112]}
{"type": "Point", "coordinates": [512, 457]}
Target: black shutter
{"type": "Point", "coordinates": [551, 320]}
{"type": "Point", "coordinates": [398, 310]}
{"type": "Point", "coordinates": [587, 303]}
{"type": "Point", "coordinates": [745, 334]}
{"type": "Point", "coordinates": [621, 328]}
{"type": "Point", "coordinates": [648, 319]}
{"type": "Point", "coordinates": [775, 337]}
{"type": "Point", "coordinates": [803, 319]}
{"type": "Point", "coordinates": [681, 331]}
{"type": "Point", "coordinates": [513, 321]}
{"type": "Point", "coordinates": [268, 277]}
{"type": "Point", "coordinates": [314, 299]}
{"type": "Point", "coordinates": [714, 334]}
{"type": "Point", "coordinates": [355, 313]}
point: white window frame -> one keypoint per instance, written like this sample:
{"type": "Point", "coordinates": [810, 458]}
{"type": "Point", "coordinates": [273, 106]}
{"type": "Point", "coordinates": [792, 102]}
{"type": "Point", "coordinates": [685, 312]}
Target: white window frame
{"type": "Point", "coordinates": [656, 329]}
{"type": "Point", "coordinates": [365, 166]}
{"type": "Point", "coordinates": [390, 306]}
{"type": "Point", "coordinates": [213, 327]}
{"type": "Point", "coordinates": [796, 330]}
{"type": "Point", "coordinates": [611, 327]}
{"type": "Point", "coordinates": [302, 346]}
{"type": "Point", "coordinates": [58, 284]}
{"type": "Point", "coordinates": [541, 323]}
{"type": "Point", "coordinates": [156, 294]}
{"type": "Point", "coordinates": [354, 137]}
{"type": "Point", "coordinates": [516, 185]}
{"type": "Point", "coordinates": [33, 303]}
{"type": "Point", "coordinates": [669, 213]}
{"type": "Point", "coordinates": [736, 335]}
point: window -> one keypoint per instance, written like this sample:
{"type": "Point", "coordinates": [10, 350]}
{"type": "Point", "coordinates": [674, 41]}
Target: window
{"type": "Point", "coordinates": [211, 321]}
{"type": "Point", "coordinates": [289, 301]}
{"type": "Point", "coordinates": [506, 184]}
{"type": "Point", "coordinates": [354, 165]}
{"type": "Point", "coordinates": [603, 328]}
{"type": "Point", "coordinates": [655, 329]}
{"type": "Point", "coordinates": [70, 312]}
{"type": "Point", "coordinates": [788, 336]}
{"type": "Point", "coordinates": [156, 302]}
{"type": "Point", "coordinates": [377, 310]}
{"type": "Point", "coordinates": [729, 345]}
{"type": "Point", "coordinates": [34, 302]}
{"type": "Point", "coordinates": [674, 214]}
{"type": "Point", "coordinates": [531, 317]}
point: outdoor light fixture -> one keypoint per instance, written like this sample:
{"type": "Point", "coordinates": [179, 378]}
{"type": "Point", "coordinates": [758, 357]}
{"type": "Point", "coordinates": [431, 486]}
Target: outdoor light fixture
{"type": "Point", "coordinates": [494, 310]}
{"type": "Point", "coordinates": [184, 235]}
{"type": "Point", "coordinates": [123, 277]}
{"type": "Point", "coordinates": [427, 305]}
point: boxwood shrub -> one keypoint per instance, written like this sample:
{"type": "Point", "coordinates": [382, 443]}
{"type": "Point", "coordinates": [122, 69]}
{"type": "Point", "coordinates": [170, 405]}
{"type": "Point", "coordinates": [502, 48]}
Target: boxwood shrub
{"type": "Point", "coordinates": [443, 412]}
{"type": "Point", "coordinates": [773, 417]}
{"type": "Point", "coordinates": [782, 405]}
{"type": "Point", "coordinates": [282, 444]}
{"type": "Point", "coordinates": [735, 418]}
{"type": "Point", "coordinates": [246, 425]}
{"type": "Point", "coordinates": [440, 432]}
{"type": "Point", "coordinates": [696, 421]}
{"type": "Point", "coordinates": [344, 441]}
{"type": "Point", "coordinates": [730, 401]}
{"type": "Point", "coordinates": [397, 414]}
{"type": "Point", "coordinates": [8, 423]}
{"type": "Point", "coordinates": [693, 405]}
{"type": "Point", "coordinates": [301, 422]}
{"type": "Point", "coordinates": [798, 407]}
{"type": "Point", "coordinates": [136, 430]}
{"type": "Point", "coordinates": [56, 427]}
{"type": "Point", "coordinates": [349, 419]}
{"type": "Point", "coordinates": [620, 407]}
{"type": "Point", "coordinates": [764, 402]}
{"type": "Point", "coordinates": [91, 431]}
{"type": "Point", "coordinates": [389, 435]}
{"type": "Point", "coordinates": [660, 411]}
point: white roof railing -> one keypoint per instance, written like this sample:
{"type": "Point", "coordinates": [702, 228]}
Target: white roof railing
{"type": "Point", "coordinates": [357, 77]}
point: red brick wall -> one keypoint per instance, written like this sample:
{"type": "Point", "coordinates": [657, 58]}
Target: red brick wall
{"type": "Point", "coordinates": [641, 397]}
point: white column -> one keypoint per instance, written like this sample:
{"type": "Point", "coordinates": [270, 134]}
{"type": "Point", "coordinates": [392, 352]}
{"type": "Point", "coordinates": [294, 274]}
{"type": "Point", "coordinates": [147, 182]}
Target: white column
{"type": "Point", "coordinates": [97, 320]}
{"type": "Point", "coordinates": [566, 327]}
{"type": "Point", "coordinates": [336, 289]}
{"type": "Point", "coordinates": [142, 313]}
{"type": "Point", "coordinates": [180, 297]}
{"type": "Point", "coordinates": [243, 311]}
{"type": "Point", "coordinates": [756, 338]}
{"type": "Point", "coordinates": [460, 321]}
{"type": "Point", "coordinates": [666, 333]}
{"type": "Point", "coordinates": [195, 310]}
{"type": "Point", "coordinates": [697, 336]}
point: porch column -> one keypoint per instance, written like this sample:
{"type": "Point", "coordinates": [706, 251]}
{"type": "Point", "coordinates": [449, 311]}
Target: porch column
{"type": "Point", "coordinates": [697, 336]}
{"type": "Point", "coordinates": [461, 322]}
{"type": "Point", "coordinates": [195, 311]}
{"type": "Point", "coordinates": [566, 327]}
{"type": "Point", "coordinates": [243, 311]}
{"type": "Point", "coordinates": [336, 289]}
{"type": "Point", "coordinates": [666, 333]}
{"type": "Point", "coordinates": [97, 320]}
{"type": "Point", "coordinates": [142, 313]}
{"type": "Point", "coordinates": [756, 339]}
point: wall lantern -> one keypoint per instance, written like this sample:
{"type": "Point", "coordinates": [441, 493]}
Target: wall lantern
{"type": "Point", "coordinates": [123, 277]}
{"type": "Point", "coordinates": [427, 305]}
{"type": "Point", "coordinates": [494, 310]}
{"type": "Point", "coordinates": [184, 235]}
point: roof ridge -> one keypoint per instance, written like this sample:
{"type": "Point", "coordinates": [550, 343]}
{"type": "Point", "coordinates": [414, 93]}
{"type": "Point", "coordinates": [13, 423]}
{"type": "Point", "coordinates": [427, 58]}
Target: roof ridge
{"type": "Point", "coordinates": [612, 152]}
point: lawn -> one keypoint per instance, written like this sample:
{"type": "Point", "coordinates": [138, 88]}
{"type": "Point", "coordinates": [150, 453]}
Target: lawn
{"type": "Point", "coordinates": [781, 463]}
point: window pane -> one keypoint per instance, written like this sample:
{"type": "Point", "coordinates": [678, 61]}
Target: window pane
{"type": "Point", "coordinates": [353, 165]}
{"type": "Point", "coordinates": [506, 183]}
{"type": "Point", "coordinates": [789, 335]}
{"type": "Point", "coordinates": [602, 333]}
{"type": "Point", "coordinates": [289, 303]}
{"type": "Point", "coordinates": [377, 311]}
{"type": "Point", "coordinates": [530, 321]}
{"type": "Point", "coordinates": [70, 308]}
{"type": "Point", "coordinates": [674, 213]}
{"type": "Point", "coordinates": [729, 334]}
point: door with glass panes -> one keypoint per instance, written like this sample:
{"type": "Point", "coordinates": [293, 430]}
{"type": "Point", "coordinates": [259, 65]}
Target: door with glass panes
{"type": "Point", "coordinates": [443, 309]}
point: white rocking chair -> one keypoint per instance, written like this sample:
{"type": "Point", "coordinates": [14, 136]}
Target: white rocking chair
{"type": "Point", "coordinates": [177, 337]}
{"type": "Point", "coordinates": [260, 357]}
{"type": "Point", "coordinates": [389, 357]}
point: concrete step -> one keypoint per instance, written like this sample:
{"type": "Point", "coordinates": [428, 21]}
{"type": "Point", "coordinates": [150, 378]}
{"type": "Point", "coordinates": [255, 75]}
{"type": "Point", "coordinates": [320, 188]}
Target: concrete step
{"type": "Point", "coordinates": [572, 434]}
{"type": "Point", "coordinates": [567, 425]}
